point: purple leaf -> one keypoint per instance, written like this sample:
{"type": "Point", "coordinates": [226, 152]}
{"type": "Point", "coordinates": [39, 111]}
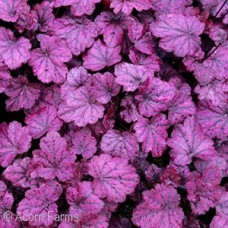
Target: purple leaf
{"type": "Point", "coordinates": [159, 209]}
{"type": "Point", "coordinates": [178, 33]}
{"type": "Point", "coordinates": [81, 7]}
{"type": "Point", "coordinates": [6, 203]}
{"type": "Point", "coordinates": [152, 134]}
{"type": "Point", "coordinates": [50, 96]}
{"type": "Point", "coordinates": [142, 40]}
{"type": "Point", "coordinates": [219, 221]}
{"type": "Point", "coordinates": [202, 194]}
{"type": "Point", "coordinates": [214, 122]}
{"type": "Point", "coordinates": [182, 105]}
{"type": "Point", "coordinates": [111, 26]}
{"type": "Point", "coordinates": [81, 107]}
{"type": "Point", "coordinates": [221, 207]}
{"type": "Point", "coordinates": [10, 9]}
{"type": "Point", "coordinates": [218, 61]}
{"type": "Point", "coordinates": [99, 56]}
{"type": "Point", "coordinates": [151, 62]}
{"type": "Point", "coordinates": [19, 173]}
{"type": "Point", "coordinates": [97, 221]}
{"type": "Point", "coordinates": [76, 78]}
{"type": "Point", "coordinates": [120, 144]}
{"type": "Point", "coordinates": [170, 6]}
{"type": "Point", "coordinates": [14, 51]}
{"type": "Point", "coordinates": [42, 121]}
{"type": "Point", "coordinates": [154, 96]}
{"type": "Point", "coordinates": [130, 112]}
{"type": "Point", "coordinates": [127, 6]}
{"type": "Point", "coordinates": [131, 76]}
{"type": "Point", "coordinates": [21, 93]}
{"type": "Point", "coordinates": [42, 16]}
{"type": "Point", "coordinates": [114, 178]}
{"type": "Point", "coordinates": [14, 139]}
{"type": "Point", "coordinates": [83, 202]}
{"type": "Point", "coordinates": [188, 141]}
{"type": "Point", "coordinates": [215, 93]}
{"type": "Point", "coordinates": [84, 143]}
{"type": "Point", "coordinates": [54, 159]}
{"type": "Point", "coordinates": [204, 74]}
{"type": "Point", "coordinates": [105, 87]}
{"type": "Point", "coordinates": [59, 3]}
{"type": "Point", "coordinates": [5, 77]}
{"type": "Point", "coordinates": [3, 188]}
{"type": "Point", "coordinates": [48, 61]}
{"type": "Point", "coordinates": [79, 33]}
{"type": "Point", "coordinates": [40, 201]}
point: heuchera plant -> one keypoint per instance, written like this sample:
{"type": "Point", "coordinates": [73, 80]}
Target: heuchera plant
{"type": "Point", "coordinates": [114, 113]}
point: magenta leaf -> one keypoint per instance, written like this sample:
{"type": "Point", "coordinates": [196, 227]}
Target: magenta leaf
{"type": "Point", "coordinates": [48, 61]}
{"type": "Point", "coordinates": [219, 221]}
{"type": "Point", "coordinates": [127, 6]}
{"type": "Point", "coordinates": [204, 74]}
{"type": "Point", "coordinates": [111, 26]}
{"type": "Point", "coordinates": [95, 221]}
{"type": "Point", "coordinates": [81, 7]}
{"type": "Point", "coordinates": [59, 3]}
{"type": "Point", "coordinates": [42, 121]}
{"type": "Point", "coordinates": [213, 122]}
{"type": "Point", "coordinates": [5, 77]}
{"type": "Point", "coordinates": [22, 94]}
{"type": "Point", "coordinates": [10, 9]}
{"type": "Point", "coordinates": [105, 87]}
{"type": "Point", "coordinates": [13, 51]}
{"type": "Point", "coordinates": [83, 202]}
{"type": "Point", "coordinates": [42, 16]}
{"type": "Point", "coordinates": [6, 203]}
{"type": "Point", "coordinates": [159, 209]}
{"type": "Point", "coordinates": [142, 40]}
{"type": "Point", "coordinates": [170, 6]}
{"type": "Point", "coordinates": [188, 141]}
{"type": "Point", "coordinates": [153, 173]}
{"type": "Point", "coordinates": [202, 194]}
{"type": "Point", "coordinates": [145, 44]}
{"type": "Point", "coordinates": [79, 33]}
{"type": "Point", "coordinates": [84, 143]}
{"type": "Point", "coordinates": [131, 76]}
{"type": "Point", "coordinates": [3, 188]}
{"type": "Point", "coordinates": [214, 93]}
{"type": "Point", "coordinates": [221, 207]}
{"type": "Point", "coordinates": [152, 134]}
{"type": "Point", "coordinates": [151, 62]}
{"type": "Point", "coordinates": [114, 113]}
{"type": "Point", "coordinates": [215, 6]}
{"type": "Point", "coordinates": [50, 96]}
{"type": "Point", "coordinates": [19, 173]}
{"type": "Point", "coordinates": [99, 56]}
{"type": "Point", "coordinates": [114, 178]}
{"type": "Point", "coordinates": [81, 107]}
{"type": "Point", "coordinates": [14, 139]}
{"type": "Point", "coordinates": [121, 144]}
{"type": "Point", "coordinates": [53, 158]}
{"type": "Point", "coordinates": [218, 61]}
{"type": "Point", "coordinates": [154, 96]}
{"type": "Point", "coordinates": [182, 105]}
{"type": "Point", "coordinates": [76, 78]}
{"type": "Point", "coordinates": [178, 33]}
{"type": "Point", "coordinates": [130, 112]}
{"type": "Point", "coordinates": [40, 201]}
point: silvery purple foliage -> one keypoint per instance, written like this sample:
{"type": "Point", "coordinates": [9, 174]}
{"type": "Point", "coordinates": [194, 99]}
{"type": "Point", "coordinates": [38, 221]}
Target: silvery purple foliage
{"type": "Point", "coordinates": [114, 113]}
